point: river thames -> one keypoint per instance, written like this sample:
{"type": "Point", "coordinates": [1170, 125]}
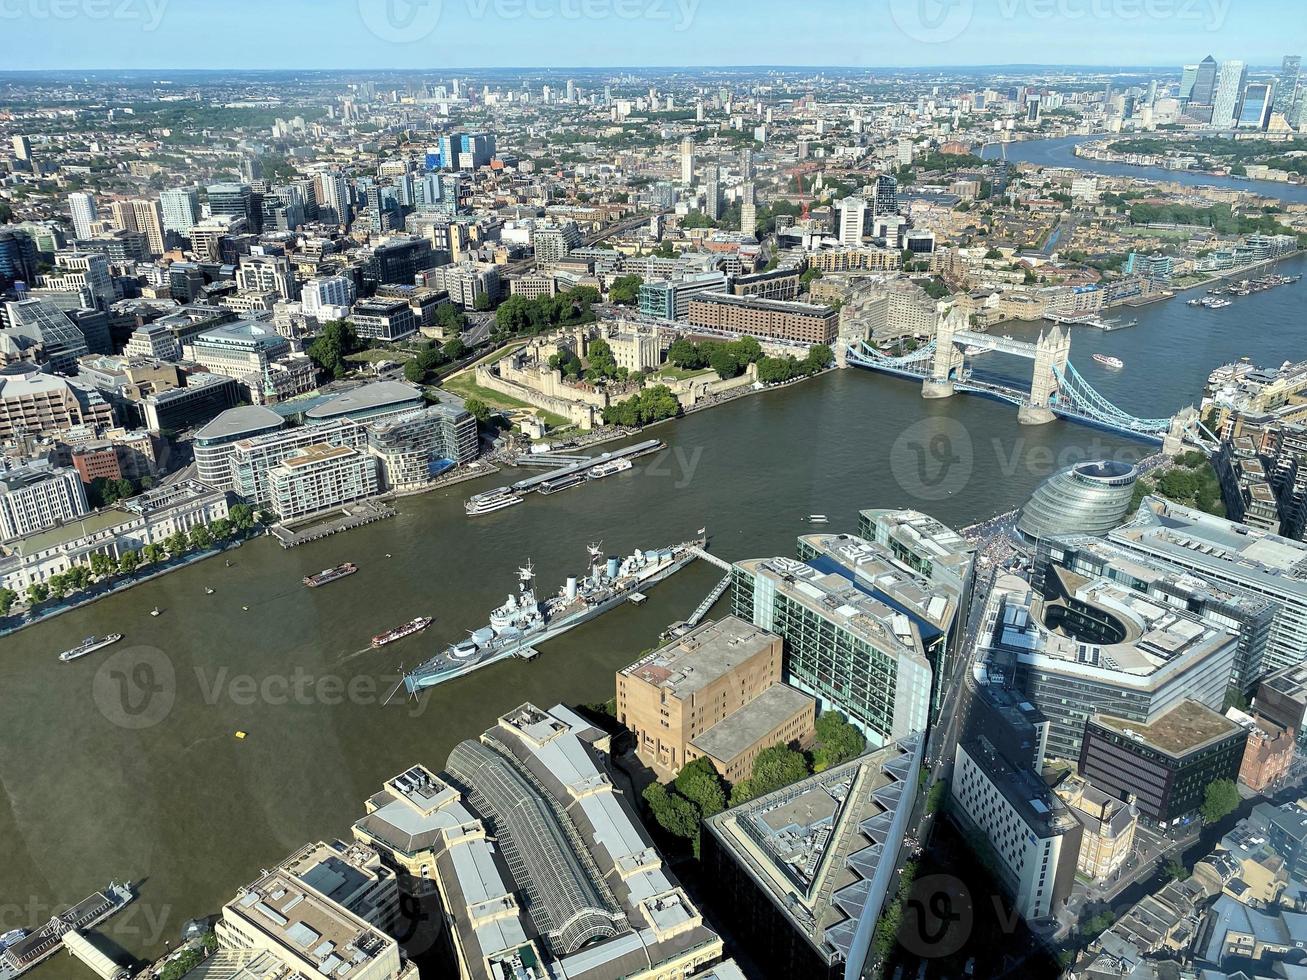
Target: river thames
{"type": "Point", "coordinates": [126, 764]}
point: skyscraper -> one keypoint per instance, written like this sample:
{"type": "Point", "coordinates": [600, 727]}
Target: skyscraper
{"type": "Point", "coordinates": [853, 219]}
{"type": "Point", "coordinates": [1255, 112]}
{"type": "Point", "coordinates": [687, 161]}
{"type": "Point", "coordinates": [235, 201]}
{"type": "Point", "coordinates": [141, 216]}
{"type": "Point", "coordinates": [748, 210]}
{"type": "Point", "coordinates": [1287, 85]}
{"type": "Point", "coordinates": [712, 204]}
{"type": "Point", "coordinates": [1204, 87]}
{"type": "Point", "coordinates": [1188, 75]}
{"type": "Point", "coordinates": [181, 209]}
{"type": "Point", "coordinates": [333, 199]}
{"type": "Point", "coordinates": [22, 148]}
{"type": "Point", "coordinates": [887, 195]}
{"type": "Point", "coordinates": [1230, 82]}
{"type": "Point", "coordinates": [82, 208]}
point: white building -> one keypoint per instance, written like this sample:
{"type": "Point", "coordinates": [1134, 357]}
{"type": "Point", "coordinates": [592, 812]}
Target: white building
{"type": "Point", "coordinates": [84, 214]}
{"type": "Point", "coordinates": [328, 297]}
{"type": "Point", "coordinates": [39, 496]}
{"type": "Point", "coordinates": [853, 219]}
{"type": "Point", "coordinates": [320, 477]}
{"type": "Point", "coordinates": [154, 341]}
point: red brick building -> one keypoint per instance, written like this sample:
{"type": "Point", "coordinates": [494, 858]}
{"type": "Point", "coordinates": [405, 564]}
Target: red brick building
{"type": "Point", "coordinates": [1267, 756]}
{"type": "Point", "coordinates": [97, 461]}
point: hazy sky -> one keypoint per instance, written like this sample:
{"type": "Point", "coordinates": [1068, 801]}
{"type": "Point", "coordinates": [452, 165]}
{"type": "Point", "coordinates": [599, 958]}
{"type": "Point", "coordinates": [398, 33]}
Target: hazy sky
{"type": "Point", "coordinates": [440, 34]}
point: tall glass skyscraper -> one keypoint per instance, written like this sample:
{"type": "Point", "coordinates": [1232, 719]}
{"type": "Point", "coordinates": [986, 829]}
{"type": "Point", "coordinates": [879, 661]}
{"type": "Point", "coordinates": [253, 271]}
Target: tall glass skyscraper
{"type": "Point", "coordinates": [1256, 110]}
{"type": "Point", "coordinates": [1287, 84]}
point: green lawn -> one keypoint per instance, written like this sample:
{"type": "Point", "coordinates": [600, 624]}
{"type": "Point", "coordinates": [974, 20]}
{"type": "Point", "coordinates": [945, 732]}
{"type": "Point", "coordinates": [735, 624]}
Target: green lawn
{"type": "Point", "coordinates": [465, 386]}
{"type": "Point", "coordinates": [680, 374]}
{"type": "Point", "coordinates": [373, 356]}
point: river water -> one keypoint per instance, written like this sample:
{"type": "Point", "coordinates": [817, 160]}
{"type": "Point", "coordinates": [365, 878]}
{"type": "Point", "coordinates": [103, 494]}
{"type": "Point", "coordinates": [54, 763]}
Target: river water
{"type": "Point", "coordinates": [126, 764]}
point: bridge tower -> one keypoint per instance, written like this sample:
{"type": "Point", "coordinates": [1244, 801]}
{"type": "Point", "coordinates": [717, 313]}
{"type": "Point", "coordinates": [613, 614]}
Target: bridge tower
{"type": "Point", "coordinates": [947, 357]}
{"type": "Point", "coordinates": [1051, 355]}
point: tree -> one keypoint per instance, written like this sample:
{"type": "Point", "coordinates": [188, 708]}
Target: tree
{"type": "Point", "coordinates": [1175, 870]}
{"type": "Point", "coordinates": [625, 290]}
{"type": "Point", "coordinates": [222, 528]}
{"type": "Point", "coordinates": [455, 349]}
{"type": "Point", "coordinates": [699, 783]}
{"type": "Point", "coordinates": [241, 516]}
{"type": "Point", "coordinates": [1219, 800]}
{"type": "Point", "coordinates": [128, 562]}
{"type": "Point", "coordinates": [482, 303]}
{"type": "Point", "coordinates": [450, 318]}
{"type": "Point", "coordinates": [685, 354]}
{"type": "Point", "coordinates": [37, 592]}
{"type": "Point", "coordinates": [7, 599]}
{"type": "Point", "coordinates": [152, 553]}
{"type": "Point", "coordinates": [774, 768]}
{"type": "Point", "coordinates": [58, 586]}
{"type": "Point", "coordinates": [176, 544]}
{"type": "Point", "coordinates": [672, 812]}
{"type": "Point", "coordinates": [337, 340]}
{"type": "Point", "coordinates": [102, 565]}
{"type": "Point", "coordinates": [414, 373]}
{"type": "Point", "coordinates": [724, 362]}
{"type": "Point", "coordinates": [837, 741]}
{"type": "Point", "coordinates": [479, 409]}
{"type": "Point", "coordinates": [602, 362]}
{"type": "Point", "coordinates": [201, 537]}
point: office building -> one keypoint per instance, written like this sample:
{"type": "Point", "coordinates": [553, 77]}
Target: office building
{"type": "Point", "coordinates": [19, 258]}
{"type": "Point", "coordinates": [1230, 82]}
{"type": "Point", "coordinates": [853, 220]}
{"type": "Point", "coordinates": [670, 299]}
{"type": "Point", "coordinates": [319, 477]}
{"type": "Point", "coordinates": [1088, 498]}
{"type": "Point", "coordinates": [332, 192]}
{"type": "Point", "coordinates": [237, 349]}
{"type": "Point", "coordinates": [1281, 699]}
{"type": "Point", "coordinates": [204, 397]}
{"type": "Point", "coordinates": [687, 162]}
{"type": "Point", "coordinates": [1248, 616]}
{"type": "Point", "coordinates": [1033, 837]}
{"type": "Point", "coordinates": [235, 200]}
{"type": "Point", "coordinates": [1255, 108]}
{"type": "Point", "coordinates": [214, 444]}
{"type": "Point", "coordinates": [84, 213]}
{"type": "Point", "coordinates": [802, 874]}
{"type": "Point", "coordinates": [328, 297]}
{"type": "Point", "coordinates": [398, 260]}
{"type": "Point", "coordinates": [38, 496]}
{"type": "Point", "coordinates": [1234, 557]}
{"type": "Point", "coordinates": [209, 236]}
{"type": "Point", "coordinates": [700, 695]}
{"type": "Point", "coordinates": [154, 341]}
{"type": "Point", "coordinates": [1163, 766]}
{"type": "Point", "coordinates": [1204, 86]}
{"type": "Point", "coordinates": [284, 924]}
{"type": "Point", "coordinates": [845, 644]}
{"type": "Point", "coordinates": [1286, 85]}
{"type": "Point", "coordinates": [46, 333]}
{"type": "Point", "coordinates": [180, 207]}
{"type": "Point", "coordinates": [22, 148]}
{"type": "Point", "coordinates": [1109, 827]}
{"type": "Point", "coordinates": [1094, 645]}
{"type": "Point", "coordinates": [541, 867]}
{"type": "Point", "coordinates": [766, 319]}
{"type": "Point", "coordinates": [384, 319]}
{"type": "Point", "coordinates": [886, 199]}
{"type": "Point", "coordinates": [367, 403]}
{"type": "Point", "coordinates": [36, 404]}
{"type": "Point", "coordinates": [144, 217]}
{"type": "Point", "coordinates": [86, 274]}
{"type": "Point", "coordinates": [553, 243]}
{"type": "Point", "coordinates": [468, 284]}
{"type": "Point", "coordinates": [264, 273]}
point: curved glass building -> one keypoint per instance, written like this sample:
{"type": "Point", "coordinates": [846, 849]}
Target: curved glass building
{"type": "Point", "coordinates": [1089, 498]}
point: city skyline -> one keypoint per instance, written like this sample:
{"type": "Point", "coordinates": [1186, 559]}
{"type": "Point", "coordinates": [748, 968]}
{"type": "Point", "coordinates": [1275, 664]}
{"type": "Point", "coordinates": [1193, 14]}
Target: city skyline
{"type": "Point", "coordinates": [467, 34]}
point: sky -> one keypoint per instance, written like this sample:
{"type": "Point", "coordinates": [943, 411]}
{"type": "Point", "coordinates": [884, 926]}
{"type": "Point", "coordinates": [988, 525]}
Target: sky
{"type": "Point", "coordinates": [439, 34]}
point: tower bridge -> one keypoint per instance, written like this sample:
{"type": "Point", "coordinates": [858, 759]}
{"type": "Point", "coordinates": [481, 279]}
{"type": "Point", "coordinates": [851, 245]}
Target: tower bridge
{"type": "Point", "coordinates": [1056, 389]}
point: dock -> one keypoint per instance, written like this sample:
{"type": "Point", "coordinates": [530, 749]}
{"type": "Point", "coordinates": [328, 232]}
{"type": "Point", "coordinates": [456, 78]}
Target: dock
{"type": "Point", "coordinates": [575, 470]}
{"type": "Point", "coordinates": [348, 517]}
{"type": "Point", "coordinates": [681, 627]}
{"type": "Point", "coordinates": [64, 931]}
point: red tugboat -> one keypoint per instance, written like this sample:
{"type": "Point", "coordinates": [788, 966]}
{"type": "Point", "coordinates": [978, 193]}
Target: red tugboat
{"type": "Point", "coordinates": [399, 632]}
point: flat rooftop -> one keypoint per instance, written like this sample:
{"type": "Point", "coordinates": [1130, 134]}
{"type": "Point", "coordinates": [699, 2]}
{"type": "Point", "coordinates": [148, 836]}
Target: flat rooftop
{"type": "Point", "coordinates": [702, 656]}
{"type": "Point", "coordinates": [742, 729]}
{"type": "Point", "coordinates": [770, 305]}
{"type": "Point", "coordinates": [1185, 728]}
{"type": "Point", "coordinates": [320, 452]}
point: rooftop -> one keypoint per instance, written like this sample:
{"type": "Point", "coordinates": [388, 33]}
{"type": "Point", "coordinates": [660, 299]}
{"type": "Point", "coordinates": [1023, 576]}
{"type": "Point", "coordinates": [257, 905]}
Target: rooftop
{"type": "Point", "coordinates": [319, 452]}
{"type": "Point", "coordinates": [698, 658]}
{"type": "Point", "coordinates": [236, 423]}
{"type": "Point", "coordinates": [743, 728]}
{"type": "Point", "coordinates": [368, 399]}
{"type": "Point", "coordinates": [1187, 727]}
{"type": "Point", "coordinates": [772, 305]}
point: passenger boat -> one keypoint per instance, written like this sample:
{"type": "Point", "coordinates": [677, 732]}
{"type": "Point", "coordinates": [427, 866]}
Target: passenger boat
{"type": "Point", "coordinates": [609, 468]}
{"type": "Point", "coordinates": [1108, 360]}
{"type": "Point", "coordinates": [89, 645]}
{"type": "Point", "coordinates": [328, 575]}
{"type": "Point", "coordinates": [491, 501]}
{"type": "Point", "coordinates": [400, 632]}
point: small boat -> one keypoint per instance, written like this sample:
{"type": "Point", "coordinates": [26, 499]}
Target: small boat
{"type": "Point", "coordinates": [228, 563]}
{"type": "Point", "coordinates": [1107, 360]}
{"type": "Point", "coordinates": [817, 519]}
{"type": "Point", "coordinates": [155, 611]}
{"type": "Point", "coordinates": [208, 591]}
{"type": "Point", "coordinates": [387, 554]}
{"type": "Point", "coordinates": [975, 349]}
{"type": "Point", "coordinates": [400, 632]}
{"type": "Point", "coordinates": [330, 575]}
{"type": "Point", "coordinates": [89, 645]}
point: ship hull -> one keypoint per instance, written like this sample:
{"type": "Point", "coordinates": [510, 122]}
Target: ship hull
{"type": "Point", "coordinates": [436, 672]}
